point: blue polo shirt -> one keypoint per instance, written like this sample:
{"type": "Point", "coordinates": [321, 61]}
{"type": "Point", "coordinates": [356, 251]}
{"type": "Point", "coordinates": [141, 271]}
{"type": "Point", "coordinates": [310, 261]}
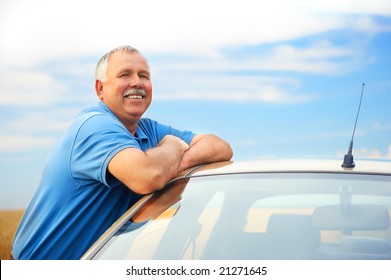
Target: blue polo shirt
{"type": "Point", "coordinates": [78, 199]}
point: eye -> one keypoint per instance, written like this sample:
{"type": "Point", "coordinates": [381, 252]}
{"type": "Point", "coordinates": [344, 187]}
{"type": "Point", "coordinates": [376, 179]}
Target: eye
{"type": "Point", "coordinates": [125, 74]}
{"type": "Point", "coordinates": [144, 75]}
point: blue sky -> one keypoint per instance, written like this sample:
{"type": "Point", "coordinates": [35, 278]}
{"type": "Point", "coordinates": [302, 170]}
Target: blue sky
{"type": "Point", "coordinates": [279, 79]}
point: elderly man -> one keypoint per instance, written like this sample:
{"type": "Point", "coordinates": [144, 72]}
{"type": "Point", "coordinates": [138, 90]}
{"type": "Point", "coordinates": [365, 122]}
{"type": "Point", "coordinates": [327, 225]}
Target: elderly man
{"type": "Point", "coordinates": [107, 159]}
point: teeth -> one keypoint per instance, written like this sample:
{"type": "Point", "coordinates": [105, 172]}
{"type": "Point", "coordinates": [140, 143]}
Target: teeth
{"type": "Point", "coordinates": [135, 93]}
{"type": "Point", "coordinates": [134, 96]}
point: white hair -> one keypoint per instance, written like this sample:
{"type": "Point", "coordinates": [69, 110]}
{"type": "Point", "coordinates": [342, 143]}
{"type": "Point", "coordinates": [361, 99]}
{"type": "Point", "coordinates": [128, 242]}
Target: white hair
{"type": "Point", "coordinates": [101, 67]}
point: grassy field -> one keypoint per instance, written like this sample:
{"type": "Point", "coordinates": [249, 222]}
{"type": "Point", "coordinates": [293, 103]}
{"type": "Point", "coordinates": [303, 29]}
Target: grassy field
{"type": "Point", "coordinates": [9, 221]}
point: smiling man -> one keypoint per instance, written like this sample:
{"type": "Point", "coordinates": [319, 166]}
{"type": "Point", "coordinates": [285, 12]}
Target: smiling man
{"type": "Point", "coordinates": [106, 160]}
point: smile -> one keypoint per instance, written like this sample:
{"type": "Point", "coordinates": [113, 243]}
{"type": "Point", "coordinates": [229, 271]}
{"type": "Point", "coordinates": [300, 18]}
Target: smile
{"type": "Point", "coordinates": [134, 96]}
{"type": "Point", "coordinates": [135, 93]}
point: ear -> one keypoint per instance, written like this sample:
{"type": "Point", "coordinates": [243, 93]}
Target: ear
{"type": "Point", "coordinates": [99, 89]}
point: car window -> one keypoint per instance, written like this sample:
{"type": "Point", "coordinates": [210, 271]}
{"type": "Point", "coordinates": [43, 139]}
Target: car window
{"type": "Point", "coordinates": [267, 216]}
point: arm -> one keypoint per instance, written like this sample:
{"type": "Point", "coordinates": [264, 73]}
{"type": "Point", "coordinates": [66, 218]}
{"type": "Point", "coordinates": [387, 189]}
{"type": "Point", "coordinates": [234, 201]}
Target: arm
{"type": "Point", "coordinates": [206, 148]}
{"type": "Point", "coordinates": [146, 172]}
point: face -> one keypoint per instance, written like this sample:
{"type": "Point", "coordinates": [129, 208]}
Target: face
{"type": "Point", "coordinates": [127, 78]}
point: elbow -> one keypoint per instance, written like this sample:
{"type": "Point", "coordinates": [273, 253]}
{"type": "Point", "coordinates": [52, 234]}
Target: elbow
{"type": "Point", "coordinates": [222, 149]}
{"type": "Point", "coordinates": [225, 152]}
{"type": "Point", "coordinates": [229, 152]}
{"type": "Point", "coordinates": [147, 184]}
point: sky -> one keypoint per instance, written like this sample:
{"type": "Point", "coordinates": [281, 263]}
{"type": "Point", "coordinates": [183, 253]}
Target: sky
{"type": "Point", "coordinates": [276, 79]}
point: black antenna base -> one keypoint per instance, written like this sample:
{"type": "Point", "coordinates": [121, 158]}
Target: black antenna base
{"type": "Point", "coordinates": [348, 161]}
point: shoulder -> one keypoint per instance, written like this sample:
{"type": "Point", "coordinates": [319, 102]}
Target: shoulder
{"type": "Point", "coordinates": [150, 125]}
{"type": "Point", "coordinates": [97, 117]}
{"type": "Point", "coordinates": [96, 111]}
{"type": "Point", "coordinates": [95, 122]}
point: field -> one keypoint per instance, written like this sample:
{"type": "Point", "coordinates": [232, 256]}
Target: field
{"type": "Point", "coordinates": [9, 221]}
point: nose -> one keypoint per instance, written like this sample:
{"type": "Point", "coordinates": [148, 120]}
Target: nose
{"type": "Point", "coordinates": [135, 82]}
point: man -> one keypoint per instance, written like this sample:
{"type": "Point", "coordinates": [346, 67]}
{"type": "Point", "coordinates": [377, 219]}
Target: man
{"type": "Point", "coordinates": [107, 159]}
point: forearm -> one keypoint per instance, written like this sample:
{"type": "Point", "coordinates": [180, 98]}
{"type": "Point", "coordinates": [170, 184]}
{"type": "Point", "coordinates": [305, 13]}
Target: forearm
{"type": "Point", "coordinates": [206, 149]}
{"type": "Point", "coordinates": [145, 172]}
{"type": "Point", "coordinates": [165, 160]}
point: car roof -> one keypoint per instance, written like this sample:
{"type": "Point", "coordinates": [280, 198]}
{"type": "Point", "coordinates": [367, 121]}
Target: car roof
{"type": "Point", "coordinates": [363, 166]}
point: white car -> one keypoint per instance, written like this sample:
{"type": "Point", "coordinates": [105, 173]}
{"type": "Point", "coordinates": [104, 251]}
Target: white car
{"type": "Point", "coordinates": [267, 209]}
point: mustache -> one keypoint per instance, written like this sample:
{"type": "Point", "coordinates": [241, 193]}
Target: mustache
{"type": "Point", "coordinates": [136, 91]}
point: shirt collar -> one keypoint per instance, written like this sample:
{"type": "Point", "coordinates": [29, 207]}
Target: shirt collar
{"type": "Point", "coordinates": [105, 107]}
{"type": "Point", "coordinates": [139, 131]}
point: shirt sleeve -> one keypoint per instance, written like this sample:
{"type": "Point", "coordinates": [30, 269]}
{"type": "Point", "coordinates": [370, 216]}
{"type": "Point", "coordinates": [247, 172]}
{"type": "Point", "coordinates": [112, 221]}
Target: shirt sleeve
{"type": "Point", "coordinates": [99, 138]}
{"type": "Point", "coordinates": [161, 130]}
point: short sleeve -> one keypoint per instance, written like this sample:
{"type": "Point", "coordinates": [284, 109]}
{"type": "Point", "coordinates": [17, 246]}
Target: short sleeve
{"type": "Point", "coordinates": [99, 138]}
{"type": "Point", "coordinates": [161, 130]}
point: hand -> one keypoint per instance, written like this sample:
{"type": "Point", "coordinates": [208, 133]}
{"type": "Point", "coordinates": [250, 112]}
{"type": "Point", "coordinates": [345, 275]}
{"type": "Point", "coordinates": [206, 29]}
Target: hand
{"type": "Point", "coordinates": [206, 148]}
{"type": "Point", "coordinates": [174, 142]}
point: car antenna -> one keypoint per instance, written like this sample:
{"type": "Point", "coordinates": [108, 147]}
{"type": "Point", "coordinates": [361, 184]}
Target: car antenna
{"type": "Point", "coordinates": [348, 161]}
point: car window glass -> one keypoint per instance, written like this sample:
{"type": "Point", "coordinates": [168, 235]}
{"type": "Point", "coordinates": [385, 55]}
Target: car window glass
{"type": "Point", "coordinates": [205, 224]}
{"type": "Point", "coordinates": [266, 216]}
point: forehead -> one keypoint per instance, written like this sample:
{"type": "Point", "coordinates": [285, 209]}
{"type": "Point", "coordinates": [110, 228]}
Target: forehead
{"type": "Point", "coordinates": [127, 60]}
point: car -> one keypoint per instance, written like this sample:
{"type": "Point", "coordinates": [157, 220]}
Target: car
{"type": "Point", "coordinates": [274, 209]}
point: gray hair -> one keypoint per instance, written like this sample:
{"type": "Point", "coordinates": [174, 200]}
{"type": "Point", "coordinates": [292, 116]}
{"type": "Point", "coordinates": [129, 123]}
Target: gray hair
{"type": "Point", "coordinates": [101, 67]}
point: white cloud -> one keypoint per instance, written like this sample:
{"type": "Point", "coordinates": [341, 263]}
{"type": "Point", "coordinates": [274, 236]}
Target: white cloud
{"type": "Point", "coordinates": [320, 57]}
{"type": "Point", "coordinates": [29, 89]}
{"type": "Point", "coordinates": [365, 7]}
{"type": "Point", "coordinates": [23, 143]}
{"type": "Point", "coordinates": [369, 153]}
{"type": "Point", "coordinates": [38, 123]}
{"type": "Point", "coordinates": [264, 93]}
{"type": "Point", "coordinates": [38, 32]}
{"type": "Point", "coordinates": [34, 129]}
{"type": "Point", "coordinates": [379, 126]}
{"type": "Point", "coordinates": [230, 88]}
{"type": "Point", "coordinates": [33, 32]}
